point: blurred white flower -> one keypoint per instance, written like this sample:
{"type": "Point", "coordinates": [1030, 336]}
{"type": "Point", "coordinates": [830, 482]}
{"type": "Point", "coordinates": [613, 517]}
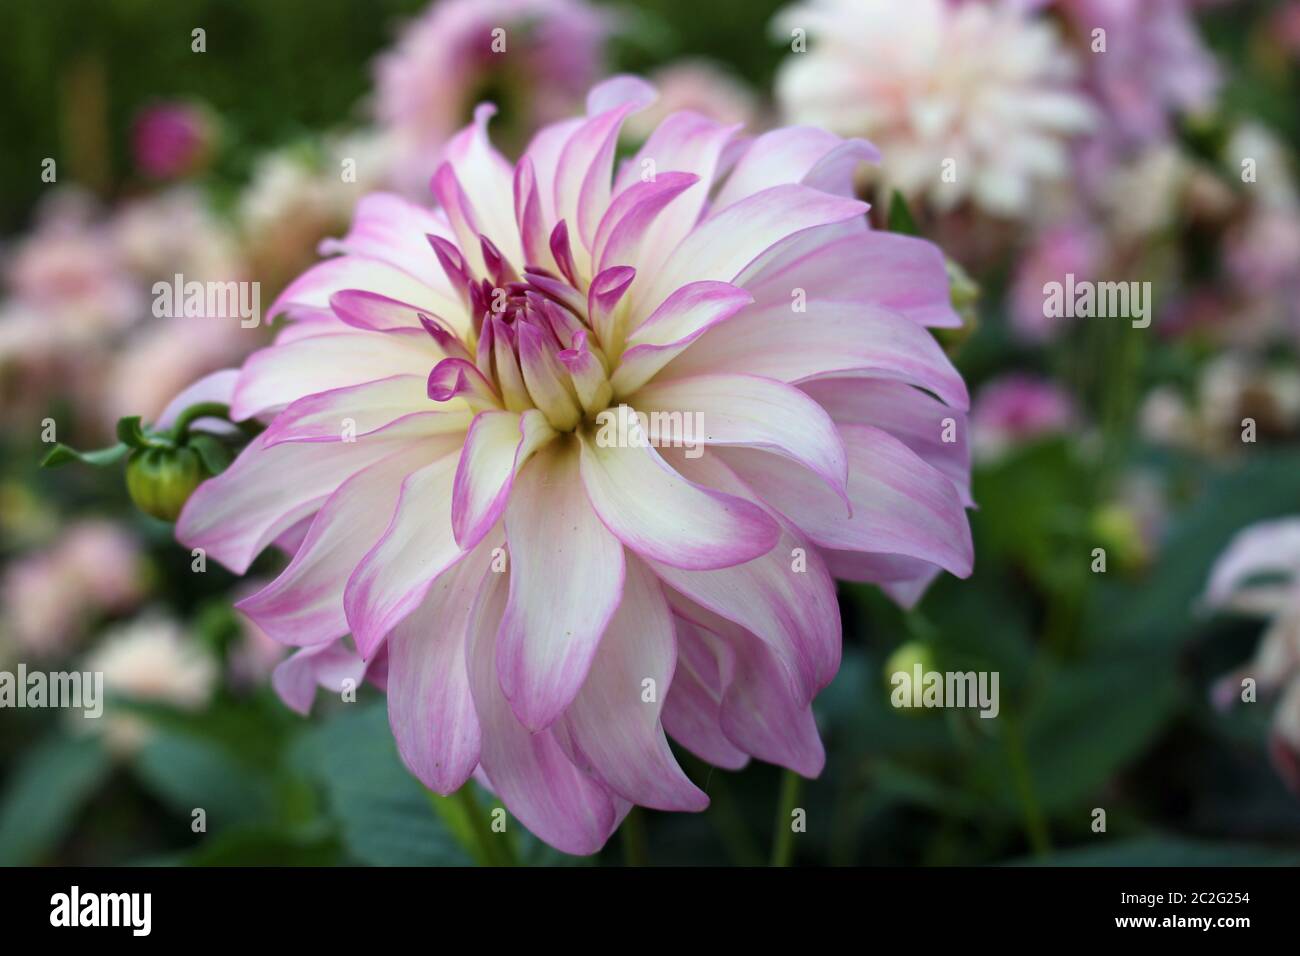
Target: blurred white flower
{"type": "Point", "coordinates": [966, 101]}
{"type": "Point", "coordinates": [150, 660]}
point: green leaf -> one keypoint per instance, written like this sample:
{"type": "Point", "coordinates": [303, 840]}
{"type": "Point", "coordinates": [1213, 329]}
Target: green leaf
{"type": "Point", "coordinates": [216, 457]}
{"type": "Point", "coordinates": [1167, 851]}
{"type": "Point", "coordinates": [188, 772]}
{"type": "Point", "coordinates": [47, 789]}
{"type": "Point", "coordinates": [900, 216]}
{"type": "Point", "coordinates": [259, 845]}
{"type": "Point", "coordinates": [61, 454]}
{"type": "Point", "coordinates": [383, 813]}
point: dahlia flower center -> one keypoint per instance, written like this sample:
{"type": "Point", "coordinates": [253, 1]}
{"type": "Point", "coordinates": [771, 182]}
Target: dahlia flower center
{"type": "Point", "coordinates": [539, 340]}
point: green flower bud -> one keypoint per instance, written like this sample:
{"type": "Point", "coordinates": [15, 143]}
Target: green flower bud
{"type": "Point", "coordinates": [161, 480]}
{"type": "Point", "coordinates": [905, 658]}
{"type": "Point", "coordinates": [964, 293]}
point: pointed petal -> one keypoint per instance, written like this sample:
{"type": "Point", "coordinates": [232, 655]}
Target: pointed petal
{"type": "Point", "coordinates": [614, 731]}
{"type": "Point", "coordinates": [901, 505]}
{"type": "Point", "coordinates": [566, 577]}
{"type": "Point", "coordinates": [748, 411]}
{"type": "Point", "coordinates": [281, 374]}
{"type": "Point", "coordinates": [394, 576]}
{"type": "Point", "coordinates": [304, 605]}
{"type": "Point", "coordinates": [239, 512]}
{"type": "Point", "coordinates": [659, 514]}
{"type": "Point", "coordinates": [430, 707]}
{"type": "Point", "coordinates": [497, 446]}
{"type": "Point", "coordinates": [529, 772]}
{"type": "Point", "coordinates": [679, 321]}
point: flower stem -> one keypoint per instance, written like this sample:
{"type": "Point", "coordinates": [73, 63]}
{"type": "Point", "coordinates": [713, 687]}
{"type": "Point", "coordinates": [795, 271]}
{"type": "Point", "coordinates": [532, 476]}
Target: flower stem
{"type": "Point", "coordinates": [783, 833]}
{"type": "Point", "coordinates": [493, 848]}
{"type": "Point", "coordinates": [1035, 825]}
{"type": "Point", "coordinates": [195, 412]}
{"type": "Point", "coordinates": [633, 837]}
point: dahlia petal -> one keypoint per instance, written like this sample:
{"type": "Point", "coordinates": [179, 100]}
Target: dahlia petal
{"type": "Point", "coordinates": [582, 186]}
{"type": "Point", "coordinates": [487, 180]}
{"type": "Point", "coordinates": [904, 579]}
{"type": "Point", "coordinates": [684, 142]}
{"type": "Point", "coordinates": [785, 598]}
{"type": "Point", "coordinates": [374, 312]}
{"type": "Point", "coordinates": [886, 269]}
{"type": "Point", "coordinates": [391, 229]}
{"type": "Point", "coordinates": [749, 411]}
{"type": "Point", "coordinates": [782, 156]}
{"type": "Point", "coordinates": [308, 296]}
{"type": "Point", "coordinates": [623, 89]}
{"type": "Point", "coordinates": [330, 666]}
{"type": "Point", "coordinates": [626, 223]}
{"type": "Point", "coordinates": [664, 517]}
{"type": "Point", "coordinates": [546, 379]}
{"type": "Point", "coordinates": [692, 713]}
{"type": "Point", "coordinates": [913, 417]}
{"type": "Point", "coordinates": [460, 383]}
{"type": "Point", "coordinates": [359, 410]}
{"type": "Point", "coordinates": [217, 386]}
{"type": "Point", "coordinates": [587, 374]}
{"type": "Point", "coordinates": [276, 376]}
{"type": "Point", "coordinates": [680, 320]}
{"type": "Point", "coordinates": [543, 155]}
{"type": "Point", "coordinates": [418, 545]}
{"type": "Point", "coordinates": [529, 771]}
{"type": "Point", "coordinates": [304, 604]}
{"type": "Point", "coordinates": [830, 338]}
{"type": "Point", "coordinates": [430, 707]}
{"type": "Point", "coordinates": [760, 717]}
{"type": "Point", "coordinates": [528, 214]}
{"type": "Point", "coordinates": [901, 505]}
{"type": "Point", "coordinates": [565, 581]}
{"type": "Point", "coordinates": [723, 245]}
{"type": "Point", "coordinates": [603, 296]}
{"type": "Point", "coordinates": [499, 443]}
{"type": "Point", "coordinates": [613, 731]}
{"type": "Point", "coordinates": [239, 512]}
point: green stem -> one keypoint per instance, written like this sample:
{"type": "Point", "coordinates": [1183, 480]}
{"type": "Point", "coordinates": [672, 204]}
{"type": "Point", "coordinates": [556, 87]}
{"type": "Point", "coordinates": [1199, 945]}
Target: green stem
{"type": "Point", "coordinates": [195, 412]}
{"type": "Point", "coordinates": [633, 836]}
{"type": "Point", "coordinates": [1035, 824]}
{"type": "Point", "coordinates": [494, 848]}
{"type": "Point", "coordinates": [783, 833]}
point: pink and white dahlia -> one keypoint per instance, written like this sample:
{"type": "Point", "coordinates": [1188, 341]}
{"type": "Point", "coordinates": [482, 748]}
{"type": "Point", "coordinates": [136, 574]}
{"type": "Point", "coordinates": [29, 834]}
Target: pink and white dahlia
{"type": "Point", "coordinates": [967, 100]}
{"type": "Point", "coordinates": [534, 58]}
{"type": "Point", "coordinates": [1259, 575]}
{"type": "Point", "coordinates": [582, 449]}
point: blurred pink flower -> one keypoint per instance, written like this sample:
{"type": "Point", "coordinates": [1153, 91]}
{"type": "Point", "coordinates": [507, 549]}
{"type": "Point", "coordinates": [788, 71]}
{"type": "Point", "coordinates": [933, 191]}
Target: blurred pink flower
{"type": "Point", "coordinates": [1015, 409]}
{"type": "Point", "coordinates": [1259, 575]}
{"type": "Point", "coordinates": [49, 597]}
{"type": "Point", "coordinates": [701, 87]}
{"type": "Point", "coordinates": [1060, 250]}
{"type": "Point", "coordinates": [1154, 65]}
{"type": "Point", "coordinates": [68, 271]}
{"type": "Point", "coordinates": [171, 140]}
{"type": "Point", "coordinates": [534, 58]}
{"type": "Point", "coordinates": [967, 101]}
{"type": "Point", "coordinates": [452, 399]}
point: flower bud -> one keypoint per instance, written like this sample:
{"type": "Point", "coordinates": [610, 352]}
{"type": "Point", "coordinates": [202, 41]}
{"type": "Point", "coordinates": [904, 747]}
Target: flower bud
{"type": "Point", "coordinates": [161, 480]}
